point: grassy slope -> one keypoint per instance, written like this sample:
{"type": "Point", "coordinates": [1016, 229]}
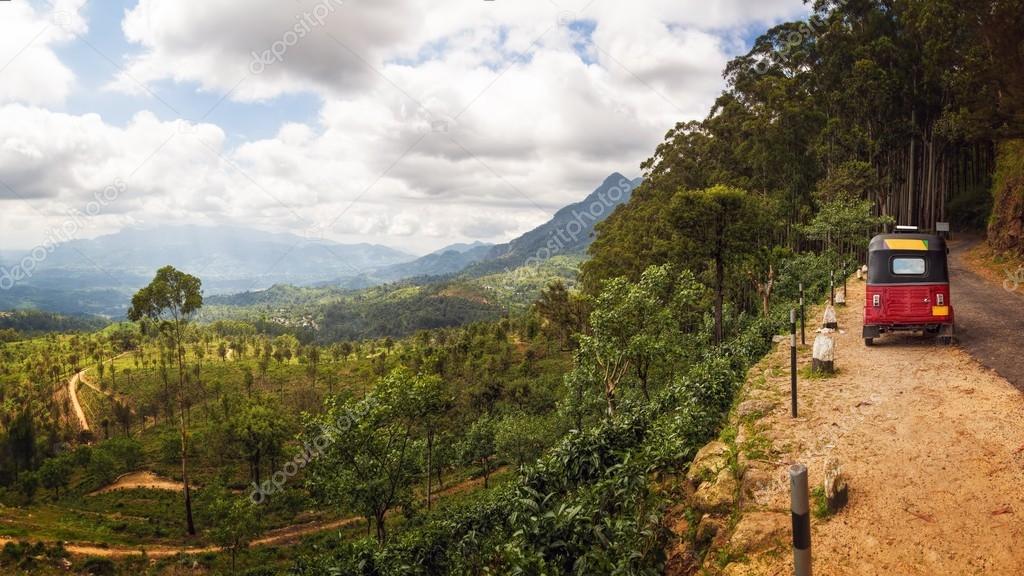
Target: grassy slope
{"type": "Point", "coordinates": [140, 517]}
{"type": "Point", "coordinates": [396, 309]}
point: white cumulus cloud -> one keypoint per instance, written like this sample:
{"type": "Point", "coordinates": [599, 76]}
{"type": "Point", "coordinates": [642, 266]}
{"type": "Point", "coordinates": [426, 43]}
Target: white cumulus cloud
{"type": "Point", "coordinates": [439, 121]}
{"type": "Point", "coordinates": [30, 70]}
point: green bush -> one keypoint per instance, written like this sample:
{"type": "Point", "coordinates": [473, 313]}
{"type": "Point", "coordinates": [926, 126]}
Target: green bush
{"type": "Point", "coordinates": [99, 567]}
{"type": "Point", "coordinates": [102, 469]}
{"type": "Point", "coordinates": [28, 556]}
{"type": "Point", "coordinates": [126, 452]}
{"type": "Point", "coordinates": [586, 505]}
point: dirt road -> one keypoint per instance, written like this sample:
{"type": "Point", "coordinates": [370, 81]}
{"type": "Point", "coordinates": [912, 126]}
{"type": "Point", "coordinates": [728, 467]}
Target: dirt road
{"type": "Point", "coordinates": [932, 443]}
{"type": "Point", "coordinates": [73, 383]}
{"type": "Point", "coordinates": [140, 479]}
{"type": "Point", "coordinates": [72, 391]}
{"type": "Point", "coordinates": [275, 537]}
{"type": "Point", "coordinates": [989, 318]}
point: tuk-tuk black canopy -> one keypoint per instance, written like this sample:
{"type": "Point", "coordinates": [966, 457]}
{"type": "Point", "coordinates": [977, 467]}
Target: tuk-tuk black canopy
{"type": "Point", "coordinates": [886, 251]}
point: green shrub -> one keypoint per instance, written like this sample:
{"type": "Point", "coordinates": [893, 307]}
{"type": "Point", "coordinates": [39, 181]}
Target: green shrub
{"type": "Point", "coordinates": [586, 505]}
{"type": "Point", "coordinates": [127, 452]}
{"type": "Point", "coordinates": [99, 567]}
{"type": "Point", "coordinates": [102, 469]}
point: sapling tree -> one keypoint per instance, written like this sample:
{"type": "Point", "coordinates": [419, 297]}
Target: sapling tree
{"type": "Point", "coordinates": [522, 438]}
{"type": "Point", "coordinates": [717, 229]}
{"type": "Point", "coordinates": [636, 328]}
{"type": "Point", "coordinates": [55, 473]}
{"type": "Point", "coordinates": [259, 432]}
{"type": "Point", "coordinates": [233, 520]}
{"type": "Point", "coordinates": [366, 460]}
{"type": "Point", "coordinates": [432, 401]}
{"type": "Point", "coordinates": [173, 298]}
{"type": "Point", "coordinates": [478, 446]}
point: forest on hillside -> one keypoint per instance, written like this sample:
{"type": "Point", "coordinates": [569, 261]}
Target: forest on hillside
{"type": "Point", "coordinates": [542, 436]}
{"type": "Point", "coordinates": [890, 109]}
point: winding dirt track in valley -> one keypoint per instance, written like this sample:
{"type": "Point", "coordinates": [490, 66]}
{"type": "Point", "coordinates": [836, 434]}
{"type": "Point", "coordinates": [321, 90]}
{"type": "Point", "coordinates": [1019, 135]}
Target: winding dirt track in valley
{"type": "Point", "coordinates": [275, 537]}
{"type": "Point", "coordinates": [148, 480]}
{"type": "Point", "coordinates": [72, 391]}
{"type": "Point", "coordinates": [76, 406]}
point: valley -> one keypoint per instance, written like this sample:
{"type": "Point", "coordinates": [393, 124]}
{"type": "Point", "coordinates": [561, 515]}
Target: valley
{"type": "Point", "coordinates": [356, 289]}
{"type": "Point", "coordinates": [289, 273]}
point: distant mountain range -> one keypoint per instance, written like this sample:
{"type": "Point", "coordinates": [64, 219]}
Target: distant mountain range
{"type": "Point", "coordinates": [448, 260]}
{"type": "Point", "coordinates": [97, 276]}
{"type": "Point", "coordinates": [570, 231]}
{"type": "Point", "coordinates": [228, 259]}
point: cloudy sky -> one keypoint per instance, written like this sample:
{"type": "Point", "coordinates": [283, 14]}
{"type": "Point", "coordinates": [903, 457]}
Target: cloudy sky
{"type": "Point", "coordinates": [409, 123]}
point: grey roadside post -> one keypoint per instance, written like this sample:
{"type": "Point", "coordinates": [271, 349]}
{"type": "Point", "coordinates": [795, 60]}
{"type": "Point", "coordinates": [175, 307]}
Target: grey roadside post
{"type": "Point", "coordinates": [800, 507]}
{"type": "Point", "coordinates": [792, 359]}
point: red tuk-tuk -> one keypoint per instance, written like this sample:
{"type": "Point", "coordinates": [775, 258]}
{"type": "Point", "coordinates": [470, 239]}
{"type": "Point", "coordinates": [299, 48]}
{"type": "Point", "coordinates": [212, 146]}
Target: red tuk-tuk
{"type": "Point", "coordinates": [907, 286]}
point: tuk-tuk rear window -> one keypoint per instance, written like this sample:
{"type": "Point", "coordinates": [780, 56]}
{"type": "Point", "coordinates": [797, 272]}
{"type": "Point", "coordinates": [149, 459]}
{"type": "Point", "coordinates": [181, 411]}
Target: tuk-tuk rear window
{"type": "Point", "coordinates": [908, 266]}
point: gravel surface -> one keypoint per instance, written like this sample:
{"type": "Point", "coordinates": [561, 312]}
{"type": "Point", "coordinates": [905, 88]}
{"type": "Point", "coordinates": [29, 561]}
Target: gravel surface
{"type": "Point", "coordinates": [931, 441]}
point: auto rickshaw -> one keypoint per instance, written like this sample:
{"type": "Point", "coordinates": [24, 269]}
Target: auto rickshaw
{"type": "Point", "coordinates": [908, 286]}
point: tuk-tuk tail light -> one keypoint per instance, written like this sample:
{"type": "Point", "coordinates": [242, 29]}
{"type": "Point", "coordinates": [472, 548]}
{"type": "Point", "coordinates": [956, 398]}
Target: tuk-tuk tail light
{"type": "Point", "coordinates": [940, 299]}
{"type": "Point", "coordinates": [876, 300]}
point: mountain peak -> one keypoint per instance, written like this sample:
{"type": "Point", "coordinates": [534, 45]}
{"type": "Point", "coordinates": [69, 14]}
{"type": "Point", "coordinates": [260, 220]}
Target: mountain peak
{"type": "Point", "coordinates": [619, 177]}
{"type": "Point", "coordinates": [570, 231]}
{"type": "Point", "coordinates": [462, 247]}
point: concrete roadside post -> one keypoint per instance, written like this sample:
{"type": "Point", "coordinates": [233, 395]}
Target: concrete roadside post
{"type": "Point", "coordinates": [792, 359]}
{"type": "Point", "coordinates": [823, 353]}
{"type": "Point", "coordinates": [828, 319]}
{"type": "Point", "coordinates": [800, 507]}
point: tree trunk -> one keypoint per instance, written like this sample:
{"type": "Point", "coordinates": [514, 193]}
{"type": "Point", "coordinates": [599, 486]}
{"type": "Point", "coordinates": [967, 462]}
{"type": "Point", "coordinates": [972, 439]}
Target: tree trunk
{"type": "Point", "coordinates": [256, 467]}
{"type": "Point", "coordinates": [642, 371]}
{"type": "Point", "coordinates": [719, 295]}
{"type": "Point", "coordinates": [184, 445]}
{"type": "Point", "coordinates": [430, 453]}
{"type": "Point", "coordinates": [382, 530]}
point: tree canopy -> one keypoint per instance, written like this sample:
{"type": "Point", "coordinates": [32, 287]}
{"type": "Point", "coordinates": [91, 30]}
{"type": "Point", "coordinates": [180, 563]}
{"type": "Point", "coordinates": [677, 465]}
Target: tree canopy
{"type": "Point", "coordinates": [868, 113]}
